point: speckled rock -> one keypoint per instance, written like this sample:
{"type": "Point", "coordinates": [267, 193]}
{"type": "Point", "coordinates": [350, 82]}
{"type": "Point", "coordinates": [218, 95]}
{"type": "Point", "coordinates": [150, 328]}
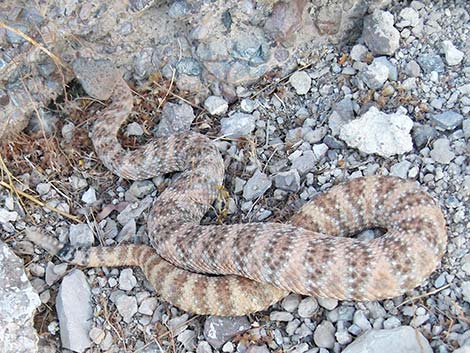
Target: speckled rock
{"type": "Point", "coordinates": [18, 302]}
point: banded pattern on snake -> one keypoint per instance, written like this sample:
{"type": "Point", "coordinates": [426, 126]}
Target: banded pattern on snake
{"type": "Point", "coordinates": [242, 268]}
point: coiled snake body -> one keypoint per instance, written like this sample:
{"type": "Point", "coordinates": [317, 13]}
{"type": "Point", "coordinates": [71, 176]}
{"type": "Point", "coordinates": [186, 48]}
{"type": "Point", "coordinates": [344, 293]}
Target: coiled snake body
{"type": "Point", "coordinates": [243, 268]}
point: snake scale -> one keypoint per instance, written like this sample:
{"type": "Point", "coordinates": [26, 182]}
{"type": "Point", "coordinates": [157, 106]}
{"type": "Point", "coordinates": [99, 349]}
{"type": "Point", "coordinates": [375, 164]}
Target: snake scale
{"type": "Point", "coordinates": [242, 268]}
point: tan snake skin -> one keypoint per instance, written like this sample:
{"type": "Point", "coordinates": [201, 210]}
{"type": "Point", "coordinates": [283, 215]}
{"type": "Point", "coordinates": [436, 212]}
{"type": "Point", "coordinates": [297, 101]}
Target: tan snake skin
{"type": "Point", "coordinates": [254, 265]}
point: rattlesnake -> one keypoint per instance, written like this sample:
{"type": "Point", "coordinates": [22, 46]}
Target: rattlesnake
{"type": "Point", "coordinates": [242, 268]}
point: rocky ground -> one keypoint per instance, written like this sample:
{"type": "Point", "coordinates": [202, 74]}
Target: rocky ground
{"type": "Point", "coordinates": [394, 100]}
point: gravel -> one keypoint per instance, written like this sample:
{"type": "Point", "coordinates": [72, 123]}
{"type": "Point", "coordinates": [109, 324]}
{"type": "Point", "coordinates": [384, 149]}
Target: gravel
{"type": "Point", "coordinates": [394, 101]}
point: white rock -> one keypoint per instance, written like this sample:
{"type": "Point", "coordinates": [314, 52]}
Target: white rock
{"type": "Point", "coordinates": [376, 74]}
{"type": "Point", "coordinates": [126, 306]}
{"type": "Point", "coordinates": [399, 340]}
{"type": "Point", "coordinates": [441, 151]}
{"type": "Point", "coordinates": [410, 16]}
{"type": "Point", "coordinates": [358, 52]}
{"type": "Point", "coordinates": [464, 349]}
{"type": "Point", "coordinates": [320, 150]}
{"type": "Point", "coordinates": [379, 33]}
{"type": "Point", "coordinates": [379, 133]}
{"type": "Point", "coordinates": [291, 302]}
{"type": "Point", "coordinates": [127, 280]}
{"type": "Point", "coordinates": [327, 303]}
{"type": "Point", "coordinates": [89, 196]}
{"type": "Point", "coordinates": [18, 302]}
{"type": "Point", "coordinates": [465, 286]}
{"type": "Point", "coordinates": [8, 216]}
{"type": "Point", "coordinates": [400, 169]}
{"type": "Point", "coordinates": [134, 129]}
{"type": "Point", "coordinates": [452, 54]}
{"type": "Point", "coordinates": [81, 235]}
{"type": "Point", "coordinates": [301, 82]}
{"type": "Point", "coordinates": [281, 316]}
{"type": "Point", "coordinates": [148, 306]}
{"type": "Point", "coordinates": [73, 305]}
{"type": "Point", "coordinates": [307, 307]}
{"type": "Point", "coordinates": [324, 335]}
{"type": "Point", "coordinates": [237, 125]}
{"type": "Point", "coordinates": [216, 105]}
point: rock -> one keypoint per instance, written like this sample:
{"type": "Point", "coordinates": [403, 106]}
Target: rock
{"type": "Point", "coordinates": [343, 113]}
{"type": "Point", "coordinates": [392, 69]}
{"type": "Point", "coordinates": [257, 349]}
{"type": "Point", "coordinates": [375, 75]}
{"type": "Point", "coordinates": [289, 181]}
{"type": "Point", "coordinates": [203, 347]}
{"type": "Point", "coordinates": [148, 306]}
{"type": "Point", "coordinates": [178, 324]}
{"type": "Point", "coordinates": [256, 186]}
{"type": "Point", "coordinates": [97, 335]}
{"type": "Point", "coordinates": [127, 280]}
{"type": "Point", "coordinates": [55, 272]}
{"type": "Point", "coordinates": [379, 34]}
{"type": "Point", "coordinates": [399, 340]}
{"type": "Point", "coordinates": [465, 349]}
{"type": "Point", "coordinates": [412, 69]}
{"type": "Point", "coordinates": [314, 136]}
{"type": "Point", "coordinates": [327, 303]}
{"type": "Point", "coordinates": [89, 196]}
{"type": "Point", "coordinates": [281, 316]}
{"type": "Point", "coordinates": [286, 17]}
{"type": "Point", "coordinates": [74, 311]}
{"type": "Point", "coordinates": [228, 347]}
{"type": "Point", "coordinates": [43, 188]}
{"type": "Point", "coordinates": [187, 338]}
{"type": "Point", "coordinates": [431, 62]}
{"type": "Point", "coordinates": [134, 210]}
{"type": "Point", "coordinates": [301, 82]}
{"type": "Point", "coordinates": [126, 306]}
{"type": "Point", "coordinates": [188, 66]}
{"type": "Point", "coordinates": [400, 169]}
{"type": "Point", "coordinates": [140, 189]}
{"type": "Point", "coordinates": [343, 337]}
{"type": "Point", "coordinates": [307, 307]}
{"type": "Point", "coordinates": [216, 105]}
{"type": "Point", "coordinates": [8, 216]}
{"type": "Point", "coordinates": [358, 52]}
{"type": "Point", "coordinates": [320, 150]}
{"type": "Point", "coordinates": [291, 302]}
{"type": "Point", "coordinates": [466, 128]}
{"type": "Point", "coordinates": [134, 129]}
{"type": "Point", "coordinates": [305, 163]}
{"type": "Point", "coordinates": [237, 125]}
{"type": "Point", "coordinates": [422, 134]}
{"type": "Point", "coordinates": [324, 335]}
{"type": "Point", "coordinates": [175, 118]}
{"type": "Point", "coordinates": [81, 235]}
{"type": "Point", "coordinates": [452, 54]}
{"type": "Point", "coordinates": [392, 322]}
{"type": "Point", "coordinates": [97, 77]}
{"type": "Point", "coordinates": [361, 320]}
{"type": "Point", "coordinates": [441, 151]}
{"type": "Point", "coordinates": [465, 287]}
{"type": "Point", "coordinates": [217, 330]}
{"type": "Point", "coordinates": [379, 133]}
{"type": "Point", "coordinates": [409, 16]}
{"type": "Point", "coordinates": [448, 120]}
{"type": "Point", "coordinates": [178, 9]}
{"type": "Point", "coordinates": [18, 302]}
{"type": "Point", "coordinates": [248, 105]}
